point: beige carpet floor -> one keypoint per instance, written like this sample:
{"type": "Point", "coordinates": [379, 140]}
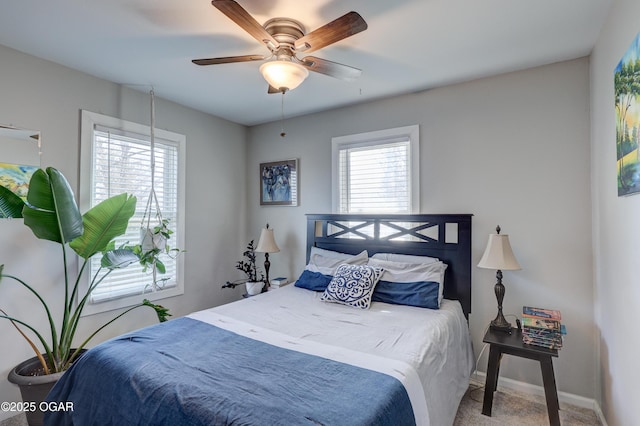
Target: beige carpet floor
{"type": "Point", "coordinates": [509, 408]}
{"type": "Point", "coordinates": [517, 409]}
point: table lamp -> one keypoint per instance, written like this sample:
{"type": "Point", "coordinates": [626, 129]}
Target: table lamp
{"type": "Point", "coordinates": [267, 244]}
{"type": "Point", "coordinates": [498, 255]}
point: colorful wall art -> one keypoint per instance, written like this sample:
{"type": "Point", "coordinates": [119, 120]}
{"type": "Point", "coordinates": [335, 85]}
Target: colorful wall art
{"type": "Point", "coordinates": [627, 97]}
{"type": "Point", "coordinates": [16, 177]}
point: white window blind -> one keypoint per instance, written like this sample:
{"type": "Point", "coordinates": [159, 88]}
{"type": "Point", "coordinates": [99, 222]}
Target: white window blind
{"type": "Point", "coordinates": [376, 172]}
{"type": "Point", "coordinates": [121, 162]}
{"type": "Point", "coordinates": [375, 179]}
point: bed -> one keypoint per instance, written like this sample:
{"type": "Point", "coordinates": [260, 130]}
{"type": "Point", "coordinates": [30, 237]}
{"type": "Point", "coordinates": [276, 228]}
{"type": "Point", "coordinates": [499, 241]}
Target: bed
{"type": "Point", "coordinates": [288, 357]}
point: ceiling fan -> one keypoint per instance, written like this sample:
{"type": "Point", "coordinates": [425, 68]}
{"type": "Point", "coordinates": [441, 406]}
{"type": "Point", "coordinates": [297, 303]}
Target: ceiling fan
{"type": "Point", "coordinates": [285, 38]}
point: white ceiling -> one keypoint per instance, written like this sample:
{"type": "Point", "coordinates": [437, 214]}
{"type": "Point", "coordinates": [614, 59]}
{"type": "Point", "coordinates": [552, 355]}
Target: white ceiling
{"type": "Point", "coordinates": [410, 45]}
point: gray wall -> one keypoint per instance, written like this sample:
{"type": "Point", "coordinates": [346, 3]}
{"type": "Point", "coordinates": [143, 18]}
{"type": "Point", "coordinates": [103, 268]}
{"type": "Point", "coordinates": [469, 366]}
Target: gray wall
{"type": "Point", "coordinates": [615, 230]}
{"type": "Point", "coordinates": [513, 150]}
{"type": "Point", "coordinates": [40, 95]}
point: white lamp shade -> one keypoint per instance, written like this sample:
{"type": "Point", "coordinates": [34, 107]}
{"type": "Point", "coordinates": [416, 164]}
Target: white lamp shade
{"type": "Point", "coordinates": [498, 254]}
{"type": "Point", "coordinates": [283, 74]}
{"type": "Point", "coordinates": [267, 242]}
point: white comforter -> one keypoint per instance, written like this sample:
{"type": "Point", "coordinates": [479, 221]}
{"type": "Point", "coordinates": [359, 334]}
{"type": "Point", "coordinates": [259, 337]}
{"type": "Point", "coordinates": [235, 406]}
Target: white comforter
{"type": "Point", "coordinates": [433, 343]}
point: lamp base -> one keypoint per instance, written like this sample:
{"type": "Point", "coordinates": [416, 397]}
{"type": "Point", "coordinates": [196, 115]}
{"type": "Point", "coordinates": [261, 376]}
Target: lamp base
{"type": "Point", "coordinates": [267, 265]}
{"type": "Point", "coordinates": [501, 324]}
{"type": "Point", "coordinates": [505, 328]}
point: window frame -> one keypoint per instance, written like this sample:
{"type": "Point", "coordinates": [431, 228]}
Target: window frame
{"type": "Point", "coordinates": [89, 121]}
{"type": "Point", "coordinates": [371, 139]}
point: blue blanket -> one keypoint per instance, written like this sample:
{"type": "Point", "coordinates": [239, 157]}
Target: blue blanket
{"type": "Point", "coordinates": [186, 372]}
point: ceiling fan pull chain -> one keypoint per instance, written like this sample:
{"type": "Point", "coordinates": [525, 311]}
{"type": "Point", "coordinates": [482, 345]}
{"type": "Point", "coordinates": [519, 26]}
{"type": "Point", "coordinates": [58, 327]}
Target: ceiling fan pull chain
{"type": "Point", "coordinates": [282, 132]}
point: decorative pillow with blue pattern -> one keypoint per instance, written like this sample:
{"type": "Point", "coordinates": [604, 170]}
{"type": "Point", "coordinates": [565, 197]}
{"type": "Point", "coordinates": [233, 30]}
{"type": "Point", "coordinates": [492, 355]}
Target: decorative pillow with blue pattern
{"type": "Point", "coordinates": [353, 285]}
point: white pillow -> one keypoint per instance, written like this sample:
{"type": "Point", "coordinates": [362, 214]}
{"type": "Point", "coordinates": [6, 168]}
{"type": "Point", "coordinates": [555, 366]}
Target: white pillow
{"type": "Point", "coordinates": [412, 272]}
{"type": "Point", "coordinates": [405, 258]}
{"type": "Point", "coordinates": [332, 254]}
{"type": "Point", "coordinates": [327, 265]}
{"type": "Point", "coordinates": [353, 285]}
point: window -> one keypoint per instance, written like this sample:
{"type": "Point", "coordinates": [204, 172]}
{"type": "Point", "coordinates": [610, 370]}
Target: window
{"type": "Point", "coordinates": [115, 158]}
{"type": "Point", "coordinates": [376, 172]}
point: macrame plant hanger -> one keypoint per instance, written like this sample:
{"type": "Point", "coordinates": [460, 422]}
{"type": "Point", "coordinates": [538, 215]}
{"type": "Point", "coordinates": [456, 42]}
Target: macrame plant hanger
{"type": "Point", "coordinates": [148, 239]}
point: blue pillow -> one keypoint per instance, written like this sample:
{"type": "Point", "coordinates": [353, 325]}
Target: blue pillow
{"type": "Point", "coordinates": [423, 294]}
{"type": "Point", "coordinates": [410, 284]}
{"type": "Point", "coordinates": [313, 281]}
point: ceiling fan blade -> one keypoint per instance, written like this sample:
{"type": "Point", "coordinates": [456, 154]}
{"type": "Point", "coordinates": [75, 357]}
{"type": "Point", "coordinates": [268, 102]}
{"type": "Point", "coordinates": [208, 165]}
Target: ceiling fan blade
{"type": "Point", "coordinates": [237, 14]}
{"type": "Point", "coordinates": [333, 69]}
{"type": "Point", "coordinates": [228, 59]}
{"type": "Point", "coordinates": [336, 30]}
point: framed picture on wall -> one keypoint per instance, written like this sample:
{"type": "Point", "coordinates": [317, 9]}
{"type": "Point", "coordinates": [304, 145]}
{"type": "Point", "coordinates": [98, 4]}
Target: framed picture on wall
{"type": "Point", "coordinates": [627, 89]}
{"type": "Point", "coordinates": [279, 183]}
{"type": "Point", "coordinates": [16, 177]}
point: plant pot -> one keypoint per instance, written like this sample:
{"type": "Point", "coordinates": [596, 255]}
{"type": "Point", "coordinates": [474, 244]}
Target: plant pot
{"type": "Point", "coordinates": [34, 386]}
{"type": "Point", "coordinates": [150, 241]}
{"type": "Point", "coordinates": [254, 288]}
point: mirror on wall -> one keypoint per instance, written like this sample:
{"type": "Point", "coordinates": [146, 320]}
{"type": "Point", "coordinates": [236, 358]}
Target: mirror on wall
{"type": "Point", "coordinates": [20, 151]}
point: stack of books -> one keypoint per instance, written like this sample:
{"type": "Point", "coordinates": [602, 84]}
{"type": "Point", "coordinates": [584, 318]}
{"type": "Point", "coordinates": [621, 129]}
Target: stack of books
{"type": "Point", "coordinates": [542, 327]}
{"type": "Point", "coordinates": [279, 282]}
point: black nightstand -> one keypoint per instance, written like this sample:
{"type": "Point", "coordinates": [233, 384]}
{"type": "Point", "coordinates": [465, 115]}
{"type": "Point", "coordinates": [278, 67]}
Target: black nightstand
{"type": "Point", "coordinates": [511, 344]}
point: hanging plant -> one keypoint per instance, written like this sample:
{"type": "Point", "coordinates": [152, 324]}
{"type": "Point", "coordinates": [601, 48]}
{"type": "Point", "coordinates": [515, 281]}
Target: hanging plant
{"type": "Point", "coordinates": [154, 236]}
{"type": "Point", "coordinates": [153, 245]}
{"type": "Point", "coordinates": [155, 239]}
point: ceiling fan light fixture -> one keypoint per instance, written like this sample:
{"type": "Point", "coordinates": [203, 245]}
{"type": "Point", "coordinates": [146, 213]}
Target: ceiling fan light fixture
{"type": "Point", "coordinates": [283, 74]}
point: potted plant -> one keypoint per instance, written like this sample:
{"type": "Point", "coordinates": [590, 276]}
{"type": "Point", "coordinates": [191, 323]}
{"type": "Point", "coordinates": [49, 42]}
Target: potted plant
{"type": "Point", "coordinates": [248, 266]}
{"type": "Point", "coordinates": [154, 232]}
{"type": "Point", "coordinates": [51, 213]}
{"type": "Point", "coordinates": [153, 244]}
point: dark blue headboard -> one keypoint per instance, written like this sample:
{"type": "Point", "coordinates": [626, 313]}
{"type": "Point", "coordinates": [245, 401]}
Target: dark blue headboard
{"type": "Point", "coordinates": [445, 236]}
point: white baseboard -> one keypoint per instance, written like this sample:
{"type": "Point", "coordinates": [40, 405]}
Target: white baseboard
{"type": "Point", "coordinates": [598, 410]}
{"type": "Point", "coordinates": [564, 397]}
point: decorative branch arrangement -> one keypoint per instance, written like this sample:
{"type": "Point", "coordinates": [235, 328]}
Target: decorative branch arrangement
{"type": "Point", "coordinates": [249, 266]}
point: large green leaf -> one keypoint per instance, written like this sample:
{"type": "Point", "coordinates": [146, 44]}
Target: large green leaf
{"type": "Point", "coordinates": [103, 223]}
{"type": "Point", "coordinates": [10, 204]}
{"type": "Point", "coordinates": [119, 258]}
{"type": "Point", "coordinates": [51, 210]}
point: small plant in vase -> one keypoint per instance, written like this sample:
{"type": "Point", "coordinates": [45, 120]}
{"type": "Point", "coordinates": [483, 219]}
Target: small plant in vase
{"type": "Point", "coordinates": [249, 267]}
{"type": "Point", "coordinates": [153, 245]}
